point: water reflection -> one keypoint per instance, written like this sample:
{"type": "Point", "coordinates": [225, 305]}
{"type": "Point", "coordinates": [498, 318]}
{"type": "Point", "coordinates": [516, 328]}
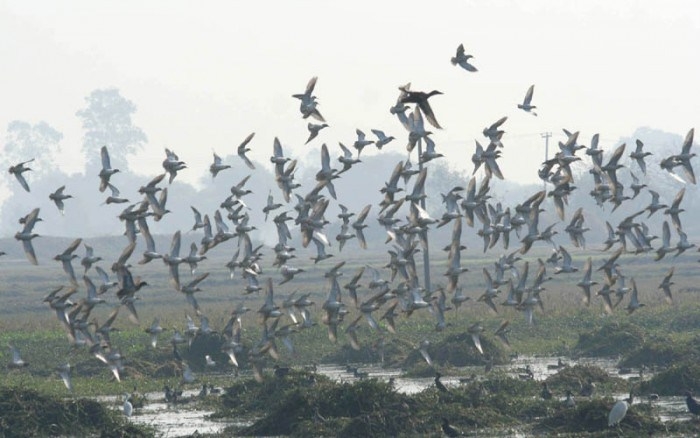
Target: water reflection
{"type": "Point", "coordinates": [183, 420]}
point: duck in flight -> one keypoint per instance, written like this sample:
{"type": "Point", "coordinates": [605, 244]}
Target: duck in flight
{"type": "Point", "coordinates": [420, 98]}
{"type": "Point", "coordinates": [527, 101]}
{"type": "Point", "coordinates": [462, 59]}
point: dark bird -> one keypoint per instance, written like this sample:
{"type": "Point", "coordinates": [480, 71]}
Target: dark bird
{"type": "Point", "coordinates": [462, 59]}
{"type": "Point", "coordinates": [527, 102]}
{"type": "Point", "coordinates": [438, 384]}
{"type": "Point", "coordinates": [638, 155]}
{"type": "Point", "coordinates": [693, 406]}
{"type": "Point", "coordinates": [449, 430]}
{"type": "Point", "coordinates": [421, 99]}
{"type": "Point", "coordinates": [58, 197]}
{"type": "Point", "coordinates": [18, 169]}
{"type": "Point", "coordinates": [107, 171]}
{"type": "Point", "coordinates": [545, 393]}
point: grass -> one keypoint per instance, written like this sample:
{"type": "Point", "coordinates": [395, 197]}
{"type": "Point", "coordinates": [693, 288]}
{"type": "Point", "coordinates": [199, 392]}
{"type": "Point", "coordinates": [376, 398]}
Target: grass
{"type": "Point", "coordinates": [659, 335]}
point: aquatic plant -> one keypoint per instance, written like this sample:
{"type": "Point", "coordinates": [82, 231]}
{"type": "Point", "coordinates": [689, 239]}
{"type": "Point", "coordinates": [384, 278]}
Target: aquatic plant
{"type": "Point", "coordinates": [29, 413]}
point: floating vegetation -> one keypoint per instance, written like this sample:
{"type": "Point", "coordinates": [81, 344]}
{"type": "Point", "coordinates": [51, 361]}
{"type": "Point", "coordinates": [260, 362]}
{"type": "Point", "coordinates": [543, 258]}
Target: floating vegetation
{"type": "Point", "coordinates": [663, 352]}
{"type": "Point", "coordinates": [302, 404]}
{"type": "Point", "coordinates": [574, 377]}
{"type": "Point", "coordinates": [28, 413]}
{"type": "Point", "coordinates": [590, 417]}
{"type": "Point", "coordinates": [611, 339]}
{"type": "Point", "coordinates": [458, 350]}
{"type": "Point", "coordinates": [681, 377]}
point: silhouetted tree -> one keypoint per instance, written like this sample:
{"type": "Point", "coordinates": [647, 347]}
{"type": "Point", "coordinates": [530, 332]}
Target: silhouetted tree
{"type": "Point", "coordinates": [107, 122]}
{"type": "Point", "coordinates": [25, 141]}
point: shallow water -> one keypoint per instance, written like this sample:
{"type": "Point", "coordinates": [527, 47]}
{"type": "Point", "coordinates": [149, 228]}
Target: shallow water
{"type": "Point", "coordinates": [175, 420]}
{"type": "Point", "coordinates": [185, 419]}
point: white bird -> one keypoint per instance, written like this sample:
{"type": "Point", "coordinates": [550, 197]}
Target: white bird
{"type": "Point", "coordinates": [154, 330]}
{"type": "Point", "coordinates": [17, 361]}
{"type": "Point", "coordinates": [64, 372]}
{"type": "Point", "coordinates": [128, 408]}
{"type": "Point", "coordinates": [187, 374]}
{"type": "Point", "coordinates": [423, 349]}
{"type": "Point", "coordinates": [210, 361]}
{"type": "Point", "coordinates": [618, 411]}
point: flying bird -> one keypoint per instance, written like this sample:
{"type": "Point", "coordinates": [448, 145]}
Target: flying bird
{"type": "Point", "coordinates": [420, 98]}
{"type": "Point", "coordinates": [217, 166]}
{"type": "Point", "coordinates": [314, 129]}
{"type": "Point", "coordinates": [18, 169]}
{"type": "Point", "coordinates": [462, 59]}
{"type": "Point", "coordinates": [527, 102]}
{"type": "Point", "coordinates": [107, 170]}
{"type": "Point", "coordinates": [243, 149]}
{"type": "Point", "coordinates": [58, 197]}
{"type": "Point", "coordinates": [25, 236]}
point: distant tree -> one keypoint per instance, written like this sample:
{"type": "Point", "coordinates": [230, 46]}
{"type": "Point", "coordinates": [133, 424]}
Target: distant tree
{"type": "Point", "coordinates": [440, 180]}
{"type": "Point", "coordinates": [25, 141]}
{"type": "Point", "coordinates": [107, 122]}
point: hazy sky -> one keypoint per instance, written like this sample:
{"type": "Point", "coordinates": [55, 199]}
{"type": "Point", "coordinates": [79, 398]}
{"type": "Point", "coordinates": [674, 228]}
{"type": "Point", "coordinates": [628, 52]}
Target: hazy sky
{"type": "Point", "coordinates": [205, 74]}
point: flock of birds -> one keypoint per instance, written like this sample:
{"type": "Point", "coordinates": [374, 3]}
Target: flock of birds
{"type": "Point", "coordinates": [395, 288]}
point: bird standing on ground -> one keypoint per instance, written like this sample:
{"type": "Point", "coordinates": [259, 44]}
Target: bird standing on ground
{"type": "Point", "coordinates": [618, 411]}
{"type": "Point", "coordinates": [449, 430]}
{"type": "Point", "coordinates": [692, 404]}
{"type": "Point", "coordinates": [127, 408]}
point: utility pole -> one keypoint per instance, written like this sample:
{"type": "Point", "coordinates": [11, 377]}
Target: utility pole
{"type": "Point", "coordinates": [546, 136]}
{"type": "Point", "coordinates": [426, 253]}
